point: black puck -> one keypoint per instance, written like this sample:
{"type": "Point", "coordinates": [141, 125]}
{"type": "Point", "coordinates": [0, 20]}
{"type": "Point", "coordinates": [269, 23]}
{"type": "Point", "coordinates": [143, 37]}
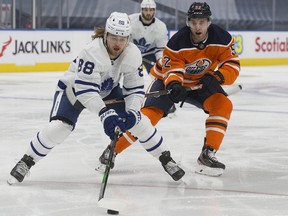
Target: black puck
{"type": "Point", "coordinates": [113, 212]}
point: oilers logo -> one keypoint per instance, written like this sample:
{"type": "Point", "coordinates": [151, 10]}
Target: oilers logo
{"type": "Point", "coordinates": [198, 66]}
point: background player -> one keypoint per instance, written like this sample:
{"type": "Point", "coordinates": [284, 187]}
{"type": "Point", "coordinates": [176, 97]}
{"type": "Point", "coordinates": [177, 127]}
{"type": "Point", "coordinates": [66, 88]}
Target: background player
{"type": "Point", "coordinates": [199, 56]}
{"type": "Point", "coordinates": [149, 33]}
{"type": "Point", "coordinates": [91, 79]}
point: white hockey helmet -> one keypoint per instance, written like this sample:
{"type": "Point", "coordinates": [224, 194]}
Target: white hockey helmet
{"type": "Point", "coordinates": [118, 24]}
{"type": "Point", "coordinates": [148, 4]}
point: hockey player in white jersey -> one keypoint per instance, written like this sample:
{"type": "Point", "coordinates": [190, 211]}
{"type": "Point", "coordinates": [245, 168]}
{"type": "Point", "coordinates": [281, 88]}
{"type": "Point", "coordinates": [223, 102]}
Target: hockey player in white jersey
{"type": "Point", "coordinates": [149, 33]}
{"type": "Point", "coordinates": [92, 78]}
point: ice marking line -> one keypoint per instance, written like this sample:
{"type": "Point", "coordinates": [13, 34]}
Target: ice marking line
{"type": "Point", "coordinates": [25, 98]}
{"type": "Point", "coordinates": [50, 99]}
{"type": "Point", "coordinates": [187, 187]}
{"type": "Point", "coordinates": [261, 111]}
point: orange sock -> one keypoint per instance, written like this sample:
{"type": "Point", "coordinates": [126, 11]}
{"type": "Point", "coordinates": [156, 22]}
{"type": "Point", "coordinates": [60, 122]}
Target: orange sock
{"type": "Point", "coordinates": [214, 139]}
{"type": "Point", "coordinates": [153, 113]}
{"type": "Point", "coordinates": [123, 142]}
{"type": "Point", "coordinates": [219, 108]}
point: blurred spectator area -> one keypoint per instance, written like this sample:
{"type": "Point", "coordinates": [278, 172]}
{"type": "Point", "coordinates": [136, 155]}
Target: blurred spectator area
{"type": "Point", "coordinates": [85, 14]}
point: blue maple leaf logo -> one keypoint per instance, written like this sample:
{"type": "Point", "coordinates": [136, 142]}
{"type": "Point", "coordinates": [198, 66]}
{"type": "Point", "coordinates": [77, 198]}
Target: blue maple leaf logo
{"type": "Point", "coordinates": [141, 44]}
{"type": "Point", "coordinates": [107, 84]}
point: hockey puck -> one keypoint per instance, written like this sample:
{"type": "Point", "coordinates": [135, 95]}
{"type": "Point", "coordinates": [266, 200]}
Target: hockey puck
{"type": "Point", "coordinates": [113, 212]}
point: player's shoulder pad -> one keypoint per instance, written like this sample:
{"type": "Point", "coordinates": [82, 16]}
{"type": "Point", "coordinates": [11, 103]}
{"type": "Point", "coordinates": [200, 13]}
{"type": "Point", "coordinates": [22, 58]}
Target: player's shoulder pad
{"type": "Point", "coordinates": [160, 23]}
{"type": "Point", "coordinates": [180, 40]}
{"type": "Point", "coordinates": [94, 44]}
{"type": "Point", "coordinates": [93, 47]}
{"type": "Point", "coordinates": [217, 35]}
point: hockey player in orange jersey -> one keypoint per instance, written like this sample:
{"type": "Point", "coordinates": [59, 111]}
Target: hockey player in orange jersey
{"type": "Point", "coordinates": [197, 60]}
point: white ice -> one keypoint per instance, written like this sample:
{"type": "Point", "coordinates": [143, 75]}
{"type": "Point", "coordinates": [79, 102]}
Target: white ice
{"type": "Point", "coordinates": [66, 184]}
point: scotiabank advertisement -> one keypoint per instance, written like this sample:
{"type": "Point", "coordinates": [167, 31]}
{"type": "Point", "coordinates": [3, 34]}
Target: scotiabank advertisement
{"type": "Point", "coordinates": [261, 44]}
{"type": "Point", "coordinates": [53, 50]}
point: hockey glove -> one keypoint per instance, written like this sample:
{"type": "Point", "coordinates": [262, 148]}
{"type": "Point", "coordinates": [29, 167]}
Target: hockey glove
{"type": "Point", "coordinates": [217, 74]}
{"type": "Point", "coordinates": [177, 91]}
{"type": "Point", "coordinates": [131, 118]}
{"type": "Point", "coordinates": [210, 86]}
{"type": "Point", "coordinates": [110, 119]}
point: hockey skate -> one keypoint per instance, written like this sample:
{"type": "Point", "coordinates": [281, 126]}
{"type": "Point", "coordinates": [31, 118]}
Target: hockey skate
{"type": "Point", "coordinates": [170, 166]}
{"type": "Point", "coordinates": [103, 160]}
{"type": "Point", "coordinates": [208, 163]}
{"type": "Point", "coordinates": [21, 170]}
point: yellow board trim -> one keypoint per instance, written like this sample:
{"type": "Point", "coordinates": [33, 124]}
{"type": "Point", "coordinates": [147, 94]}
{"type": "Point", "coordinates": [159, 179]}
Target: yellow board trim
{"type": "Point", "coordinates": [263, 61]}
{"type": "Point", "coordinates": [63, 66]}
{"type": "Point", "coordinates": [43, 67]}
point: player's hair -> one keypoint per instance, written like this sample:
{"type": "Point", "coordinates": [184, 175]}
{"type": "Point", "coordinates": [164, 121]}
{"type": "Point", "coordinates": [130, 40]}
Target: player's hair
{"type": "Point", "coordinates": [98, 32]}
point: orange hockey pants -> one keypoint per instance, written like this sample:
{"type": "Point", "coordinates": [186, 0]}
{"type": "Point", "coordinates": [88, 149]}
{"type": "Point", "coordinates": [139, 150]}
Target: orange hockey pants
{"type": "Point", "coordinates": [219, 108]}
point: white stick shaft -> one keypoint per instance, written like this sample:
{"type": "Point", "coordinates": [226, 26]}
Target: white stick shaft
{"type": "Point", "coordinates": [233, 89]}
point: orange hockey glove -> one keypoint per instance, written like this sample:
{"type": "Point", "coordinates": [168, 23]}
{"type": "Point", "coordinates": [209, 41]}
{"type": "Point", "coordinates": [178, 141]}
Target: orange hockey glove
{"type": "Point", "coordinates": [218, 75]}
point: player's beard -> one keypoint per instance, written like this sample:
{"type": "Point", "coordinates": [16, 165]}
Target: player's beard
{"type": "Point", "coordinates": [115, 51]}
{"type": "Point", "coordinates": [148, 18]}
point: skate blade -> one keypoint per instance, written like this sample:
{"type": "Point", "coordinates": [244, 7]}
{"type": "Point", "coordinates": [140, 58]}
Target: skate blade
{"type": "Point", "coordinates": [11, 180]}
{"type": "Point", "coordinates": [204, 170]}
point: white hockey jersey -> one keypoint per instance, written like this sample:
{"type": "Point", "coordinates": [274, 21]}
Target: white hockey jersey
{"type": "Point", "coordinates": [93, 76]}
{"type": "Point", "coordinates": [150, 39]}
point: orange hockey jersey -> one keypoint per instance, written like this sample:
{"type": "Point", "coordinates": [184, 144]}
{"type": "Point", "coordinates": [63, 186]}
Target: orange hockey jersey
{"type": "Point", "coordinates": [186, 62]}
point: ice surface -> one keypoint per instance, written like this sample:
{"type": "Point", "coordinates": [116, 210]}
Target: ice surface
{"type": "Point", "coordinates": [66, 183]}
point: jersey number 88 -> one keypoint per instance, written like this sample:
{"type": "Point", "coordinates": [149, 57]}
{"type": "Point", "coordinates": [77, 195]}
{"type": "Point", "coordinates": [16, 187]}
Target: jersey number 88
{"type": "Point", "coordinates": [86, 67]}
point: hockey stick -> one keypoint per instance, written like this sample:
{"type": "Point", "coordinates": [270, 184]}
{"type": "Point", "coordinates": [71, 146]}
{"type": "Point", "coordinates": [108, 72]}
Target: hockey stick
{"type": "Point", "coordinates": [233, 89]}
{"type": "Point", "coordinates": [230, 91]}
{"type": "Point", "coordinates": [150, 94]}
{"type": "Point", "coordinates": [108, 166]}
{"type": "Point", "coordinates": [72, 98]}
{"type": "Point", "coordinates": [148, 61]}
{"type": "Point", "coordinates": [147, 95]}
{"type": "Point", "coordinates": [113, 206]}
